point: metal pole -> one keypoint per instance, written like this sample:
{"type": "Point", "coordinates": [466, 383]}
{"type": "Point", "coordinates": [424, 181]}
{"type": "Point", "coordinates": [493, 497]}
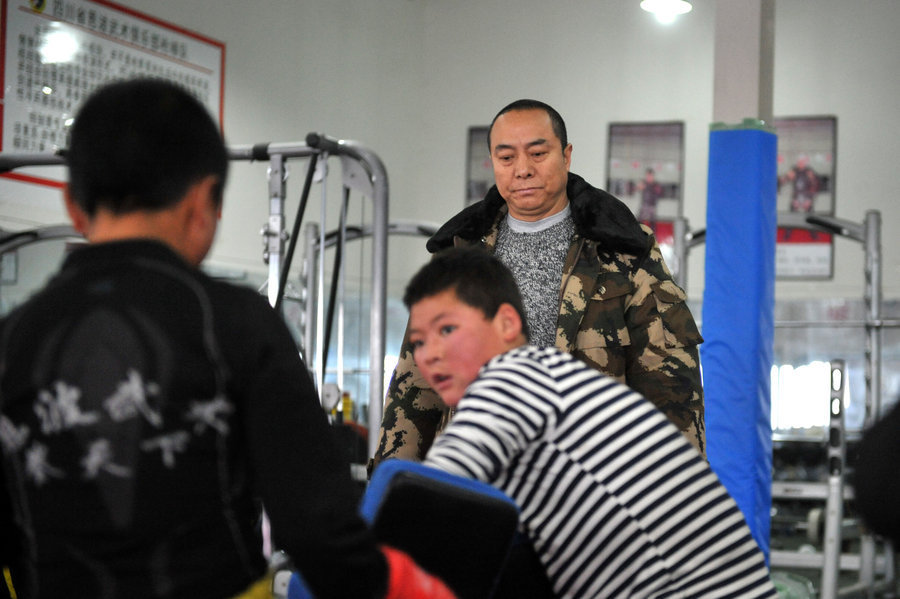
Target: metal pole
{"type": "Point", "coordinates": [377, 182]}
{"type": "Point", "coordinates": [274, 230]}
{"type": "Point", "coordinates": [264, 150]}
{"type": "Point", "coordinates": [341, 294]}
{"type": "Point", "coordinates": [874, 335]}
{"type": "Point", "coordinates": [319, 359]}
{"type": "Point", "coordinates": [874, 302]}
{"type": "Point", "coordinates": [309, 274]}
{"type": "Point", "coordinates": [834, 502]}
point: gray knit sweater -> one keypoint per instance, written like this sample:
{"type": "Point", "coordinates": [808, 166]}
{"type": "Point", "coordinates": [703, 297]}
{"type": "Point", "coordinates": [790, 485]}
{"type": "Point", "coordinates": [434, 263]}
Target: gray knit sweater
{"type": "Point", "coordinates": [535, 252]}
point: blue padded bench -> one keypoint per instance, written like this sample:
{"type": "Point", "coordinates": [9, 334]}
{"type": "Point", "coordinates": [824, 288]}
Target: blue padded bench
{"type": "Point", "coordinates": [459, 529]}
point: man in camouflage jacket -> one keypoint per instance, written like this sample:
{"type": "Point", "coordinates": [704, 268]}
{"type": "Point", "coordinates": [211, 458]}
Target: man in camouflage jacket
{"type": "Point", "coordinates": [619, 311]}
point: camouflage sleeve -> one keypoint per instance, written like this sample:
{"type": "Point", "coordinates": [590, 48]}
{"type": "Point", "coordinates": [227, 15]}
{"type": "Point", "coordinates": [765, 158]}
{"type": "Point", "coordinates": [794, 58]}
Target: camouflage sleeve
{"type": "Point", "coordinates": [663, 362]}
{"type": "Point", "coordinates": [413, 413]}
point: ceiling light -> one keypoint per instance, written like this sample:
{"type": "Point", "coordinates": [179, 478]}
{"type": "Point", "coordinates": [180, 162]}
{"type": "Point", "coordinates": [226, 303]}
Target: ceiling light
{"type": "Point", "coordinates": [665, 11]}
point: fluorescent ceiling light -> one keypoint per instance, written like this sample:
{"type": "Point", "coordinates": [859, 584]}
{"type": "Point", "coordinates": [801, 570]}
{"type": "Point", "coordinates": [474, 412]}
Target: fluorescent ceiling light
{"type": "Point", "coordinates": [666, 10]}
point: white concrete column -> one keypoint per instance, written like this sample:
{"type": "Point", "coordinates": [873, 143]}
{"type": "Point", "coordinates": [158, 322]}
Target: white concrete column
{"type": "Point", "coordinates": [744, 56]}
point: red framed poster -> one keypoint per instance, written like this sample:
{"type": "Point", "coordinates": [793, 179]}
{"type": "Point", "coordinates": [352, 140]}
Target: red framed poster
{"type": "Point", "coordinates": [807, 147]}
{"type": "Point", "coordinates": [54, 53]}
{"type": "Point", "coordinates": [645, 169]}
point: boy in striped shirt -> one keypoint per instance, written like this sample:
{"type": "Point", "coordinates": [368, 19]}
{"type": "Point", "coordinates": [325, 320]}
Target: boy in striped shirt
{"type": "Point", "coordinates": [613, 499]}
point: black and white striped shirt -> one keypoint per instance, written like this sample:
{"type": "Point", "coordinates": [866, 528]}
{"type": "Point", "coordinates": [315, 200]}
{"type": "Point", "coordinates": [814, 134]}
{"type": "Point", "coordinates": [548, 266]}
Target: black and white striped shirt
{"type": "Point", "coordinates": [615, 501]}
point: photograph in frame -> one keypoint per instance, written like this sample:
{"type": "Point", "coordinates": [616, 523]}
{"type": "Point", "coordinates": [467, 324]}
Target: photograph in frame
{"type": "Point", "coordinates": [479, 172]}
{"type": "Point", "coordinates": [645, 169]}
{"type": "Point", "coordinates": [806, 183]}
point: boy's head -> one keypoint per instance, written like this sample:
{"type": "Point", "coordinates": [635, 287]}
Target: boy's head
{"type": "Point", "coordinates": [464, 309]}
{"type": "Point", "coordinates": [138, 145]}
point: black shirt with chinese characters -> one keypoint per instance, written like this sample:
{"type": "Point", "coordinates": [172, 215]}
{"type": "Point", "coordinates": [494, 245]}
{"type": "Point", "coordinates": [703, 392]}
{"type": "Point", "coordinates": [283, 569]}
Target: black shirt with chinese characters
{"type": "Point", "coordinates": [145, 411]}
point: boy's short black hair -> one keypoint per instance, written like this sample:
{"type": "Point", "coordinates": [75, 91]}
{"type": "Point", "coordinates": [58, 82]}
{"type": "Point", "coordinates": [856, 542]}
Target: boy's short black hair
{"type": "Point", "coordinates": [139, 144]}
{"type": "Point", "coordinates": [479, 279]}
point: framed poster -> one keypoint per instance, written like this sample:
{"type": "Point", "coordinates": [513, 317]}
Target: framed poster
{"type": "Point", "coordinates": [479, 171]}
{"type": "Point", "coordinates": [56, 52]}
{"type": "Point", "coordinates": [645, 169]}
{"type": "Point", "coordinates": [806, 170]}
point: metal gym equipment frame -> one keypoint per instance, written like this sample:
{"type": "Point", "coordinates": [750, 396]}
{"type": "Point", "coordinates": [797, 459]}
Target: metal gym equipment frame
{"type": "Point", "coordinates": [11, 240]}
{"type": "Point", "coordinates": [362, 170]}
{"type": "Point", "coordinates": [310, 275]}
{"type": "Point", "coordinates": [835, 490]}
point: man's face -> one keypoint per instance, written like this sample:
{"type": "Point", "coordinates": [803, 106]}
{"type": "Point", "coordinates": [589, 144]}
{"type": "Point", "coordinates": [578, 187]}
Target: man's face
{"type": "Point", "coordinates": [451, 342]}
{"type": "Point", "coordinates": [530, 165]}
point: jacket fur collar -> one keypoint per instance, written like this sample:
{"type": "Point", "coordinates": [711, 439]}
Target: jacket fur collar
{"type": "Point", "coordinates": [598, 216]}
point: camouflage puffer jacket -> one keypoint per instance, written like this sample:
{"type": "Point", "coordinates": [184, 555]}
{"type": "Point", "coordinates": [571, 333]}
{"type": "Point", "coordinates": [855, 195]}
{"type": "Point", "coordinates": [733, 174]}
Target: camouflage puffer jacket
{"type": "Point", "coordinates": [619, 311]}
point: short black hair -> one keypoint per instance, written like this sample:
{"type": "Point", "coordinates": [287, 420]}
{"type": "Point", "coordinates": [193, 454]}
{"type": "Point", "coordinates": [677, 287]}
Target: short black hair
{"type": "Point", "coordinates": [139, 144]}
{"type": "Point", "coordinates": [556, 120]}
{"type": "Point", "coordinates": [477, 277]}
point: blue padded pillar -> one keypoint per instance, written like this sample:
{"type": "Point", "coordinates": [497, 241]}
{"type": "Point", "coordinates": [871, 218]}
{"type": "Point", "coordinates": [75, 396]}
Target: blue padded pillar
{"type": "Point", "coordinates": [738, 306]}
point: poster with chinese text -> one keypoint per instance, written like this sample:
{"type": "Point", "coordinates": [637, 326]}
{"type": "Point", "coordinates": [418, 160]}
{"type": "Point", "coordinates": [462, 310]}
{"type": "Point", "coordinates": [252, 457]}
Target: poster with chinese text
{"type": "Point", "coordinates": [56, 52]}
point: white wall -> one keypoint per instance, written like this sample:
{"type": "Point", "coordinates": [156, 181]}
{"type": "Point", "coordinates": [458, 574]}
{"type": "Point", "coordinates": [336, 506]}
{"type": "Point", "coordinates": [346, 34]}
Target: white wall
{"type": "Point", "coordinates": [843, 59]}
{"type": "Point", "coordinates": [407, 78]}
{"type": "Point", "coordinates": [595, 62]}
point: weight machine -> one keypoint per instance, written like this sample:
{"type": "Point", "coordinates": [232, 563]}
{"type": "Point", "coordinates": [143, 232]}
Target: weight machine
{"type": "Point", "coordinates": [362, 170]}
{"type": "Point", "coordinates": [835, 490]}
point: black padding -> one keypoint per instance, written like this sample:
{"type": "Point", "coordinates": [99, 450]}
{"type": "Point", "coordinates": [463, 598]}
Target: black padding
{"type": "Point", "coordinates": [458, 534]}
{"type": "Point", "coordinates": [524, 576]}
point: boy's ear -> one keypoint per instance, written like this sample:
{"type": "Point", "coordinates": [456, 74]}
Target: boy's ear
{"type": "Point", "coordinates": [80, 219]}
{"type": "Point", "coordinates": [198, 199]}
{"type": "Point", "coordinates": [509, 323]}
